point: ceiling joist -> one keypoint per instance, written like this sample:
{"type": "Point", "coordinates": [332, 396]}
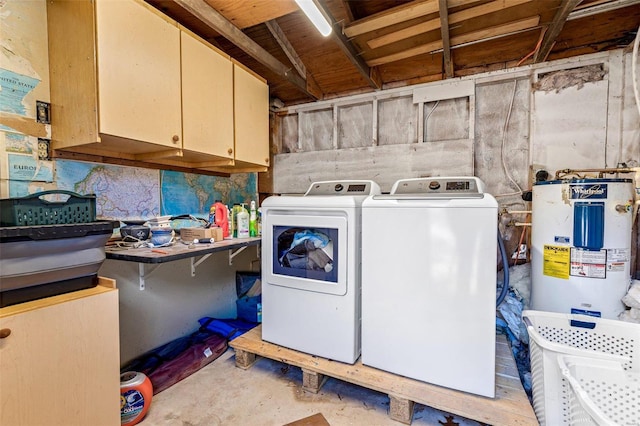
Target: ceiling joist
{"type": "Point", "coordinates": [433, 24]}
{"type": "Point", "coordinates": [288, 50]}
{"type": "Point", "coordinates": [447, 62]}
{"type": "Point", "coordinates": [371, 75]}
{"type": "Point", "coordinates": [487, 33]}
{"type": "Point", "coordinates": [552, 33]}
{"type": "Point", "coordinates": [218, 23]}
{"type": "Point", "coordinates": [398, 14]}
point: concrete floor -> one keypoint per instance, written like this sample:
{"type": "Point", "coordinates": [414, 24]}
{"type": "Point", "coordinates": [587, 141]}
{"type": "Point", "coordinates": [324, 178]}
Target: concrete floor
{"type": "Point", "coordinates": [270, 394]}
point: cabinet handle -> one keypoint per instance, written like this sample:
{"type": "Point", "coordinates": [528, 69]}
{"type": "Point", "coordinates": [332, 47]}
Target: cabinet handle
{"type": "Point", "coordinates": [266, 160]}
{"type": "Point", "coordinates": [176, 138]}
{"type": "Point", "coordinates": [230, 151]}
{"type": "Point", "coordinates": [4, 333]}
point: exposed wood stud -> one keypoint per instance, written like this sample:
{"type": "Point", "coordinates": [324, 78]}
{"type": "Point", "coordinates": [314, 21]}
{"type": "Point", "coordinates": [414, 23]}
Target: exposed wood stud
{"type": "Point", "coordinates": [433, 24]}
{"type": "Point", "coordinates": [398, 14]}
{"type": "Point", "coordinates": [374, 124]}
{"type": "Point", "coordinates": [347, 9]}
{"type": "Point", "coordinates": [554, 29]}
{"type": "Point", "coordinates": [372, 78]}
{"type": "Point", "coordinates": [218, 23]}
{"type": "Point", "coordinates": [288, 50]}
{"type": "Point", "coordinates": [444, 30]}
{"type": "Point", "coordinates": [486, 33]}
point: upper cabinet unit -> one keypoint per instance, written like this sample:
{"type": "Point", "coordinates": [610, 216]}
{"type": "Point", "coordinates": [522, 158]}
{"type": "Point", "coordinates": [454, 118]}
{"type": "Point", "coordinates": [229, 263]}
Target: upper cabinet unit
{"type": "Point", "coordinates": [129, 83]}
{"type": "Point", "coordinates": [251, 106]}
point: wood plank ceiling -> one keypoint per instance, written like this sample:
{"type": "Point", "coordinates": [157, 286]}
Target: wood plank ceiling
{"type": "Point", "coordinates": [379, 44]}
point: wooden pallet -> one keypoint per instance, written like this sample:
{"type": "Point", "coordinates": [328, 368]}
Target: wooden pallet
{"type": "Point", "coordinates": [510, 407]}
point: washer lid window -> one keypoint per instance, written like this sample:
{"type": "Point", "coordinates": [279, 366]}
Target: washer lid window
{"type": "Point", "coordinates": [309, 253]}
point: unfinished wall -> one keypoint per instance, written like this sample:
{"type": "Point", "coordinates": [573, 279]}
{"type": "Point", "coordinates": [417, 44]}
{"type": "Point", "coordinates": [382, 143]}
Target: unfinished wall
{"type": "Point", "coordinates": [173, 300]}
{"type": "Point", "coordinates": [574, 113]}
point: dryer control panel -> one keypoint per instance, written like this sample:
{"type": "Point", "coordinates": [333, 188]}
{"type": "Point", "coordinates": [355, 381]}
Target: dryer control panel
{"type": "Point", "coordinates": [439, 185]}
{"type": "Point", "coordinates": [344, 187]}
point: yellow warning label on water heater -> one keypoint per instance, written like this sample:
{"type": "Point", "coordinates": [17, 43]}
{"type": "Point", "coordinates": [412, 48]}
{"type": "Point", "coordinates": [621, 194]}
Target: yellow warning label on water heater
{"type": "Point", "coordinates": [557, 261]}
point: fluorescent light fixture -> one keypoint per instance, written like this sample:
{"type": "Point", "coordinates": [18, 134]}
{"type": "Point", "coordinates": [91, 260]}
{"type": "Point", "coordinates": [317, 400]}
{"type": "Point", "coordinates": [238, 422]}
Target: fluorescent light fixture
{"type": "Point", "coordinates": [315, 16]}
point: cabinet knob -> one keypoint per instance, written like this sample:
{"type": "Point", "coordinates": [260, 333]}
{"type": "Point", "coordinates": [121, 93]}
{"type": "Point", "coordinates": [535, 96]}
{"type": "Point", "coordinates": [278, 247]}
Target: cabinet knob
{"type": "Point", "coordinates": [176, 138]}
{"type": "Point", "coordinates": [266, 160]}
{"type": "Point", "coordinates": [4, 333]}
{"type": "Point", "coordinates": [230, 151]}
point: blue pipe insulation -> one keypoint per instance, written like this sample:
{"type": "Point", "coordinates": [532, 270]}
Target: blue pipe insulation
{"type": "Point", "coordinates": [505, 270]}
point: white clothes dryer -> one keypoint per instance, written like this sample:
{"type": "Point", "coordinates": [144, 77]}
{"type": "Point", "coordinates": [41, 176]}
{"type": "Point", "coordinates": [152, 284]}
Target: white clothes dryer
{"type": "Point", "coordinates": [429, 282]}
{"type": "Point", "coordinates": [311, 269]}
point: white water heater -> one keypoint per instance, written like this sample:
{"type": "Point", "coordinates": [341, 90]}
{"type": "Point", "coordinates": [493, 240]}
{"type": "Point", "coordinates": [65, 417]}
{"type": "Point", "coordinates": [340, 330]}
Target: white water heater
{"type": "Point", "coordinates": [581, 245]}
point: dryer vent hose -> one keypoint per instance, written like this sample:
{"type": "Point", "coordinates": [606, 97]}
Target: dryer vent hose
{"type": "Point", "coordinates": [505, 270]}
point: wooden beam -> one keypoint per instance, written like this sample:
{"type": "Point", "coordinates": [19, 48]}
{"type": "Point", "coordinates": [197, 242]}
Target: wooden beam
{"type": "Point", "coordinates": [434, 24]}
{"type": "Point", "coordinates": [486, 33]}
{"type": "Point", "coordinates": [444, 31]}
{"type": "Point", "coordinates": [398, 14]}
{"type": "Point", "coordinates": [554, 29]}
{"type": "Point", "coordinates": [283, 41]}
{"type": "Point", "coordinates": [287, 48]}
{"type": "Point", "coordinates": [497, 31]}
{"type": "Point", "coordinates": [247, 13]}
{"type": "Point", "coordinates": [218, 23]}
{"type": "Point", "coordinates": [347, 10]}
{"type": "Point", "coordinates": [415, 51]}
{"type": "Point", "coordinates": [371, 76]}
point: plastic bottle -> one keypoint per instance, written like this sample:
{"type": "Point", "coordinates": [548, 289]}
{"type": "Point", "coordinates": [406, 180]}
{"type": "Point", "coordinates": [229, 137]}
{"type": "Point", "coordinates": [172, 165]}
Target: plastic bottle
{"type": "Point", "coordinates": [243, 223]}
{"type": "Point", "coordinates": [234, 219]}
{"type": "Point", "coordinates": [212, 214]}
{"type": "Point", "coordinates": [230, 223]}
{"type": "Point", "coordinates": [259, 222]}
{"type": "Point", "coordinates": [221, 218]}
{"type": "Point", "coordinates": [136, 392]}
{"type": "Point", "coordinates": [253, 220]}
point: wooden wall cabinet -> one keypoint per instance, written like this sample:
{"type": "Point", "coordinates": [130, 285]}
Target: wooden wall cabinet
{"type": "Point", "coordinates": [127, 82]}
{"type": "Point", "coordinates": [60, 359]}
{"type": "Point", "coordinates": [251, 106]}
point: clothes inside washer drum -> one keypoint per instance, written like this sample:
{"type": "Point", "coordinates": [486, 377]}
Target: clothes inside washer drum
{"type": "Point", "coordinates": [307, 256]}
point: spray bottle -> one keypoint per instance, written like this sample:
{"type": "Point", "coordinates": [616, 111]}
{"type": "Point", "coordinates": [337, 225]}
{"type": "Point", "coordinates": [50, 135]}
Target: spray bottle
{"type": "Point", "coordinates": [253, 220]}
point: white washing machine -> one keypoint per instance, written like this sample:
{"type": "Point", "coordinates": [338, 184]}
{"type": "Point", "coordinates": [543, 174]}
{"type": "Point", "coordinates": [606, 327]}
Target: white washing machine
{"type": "Point", "coordinates": [429, 282]}
{"type": "Point", "coordinates": [311, 269]}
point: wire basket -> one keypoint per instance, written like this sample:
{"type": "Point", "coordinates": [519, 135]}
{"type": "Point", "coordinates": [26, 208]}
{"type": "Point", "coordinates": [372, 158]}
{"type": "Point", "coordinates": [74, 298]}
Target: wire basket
{"type": "Point", "coordinates": [552, 335]}
{"type": "Point", "coordinates": [35, 210]}
{"type": "Point", "coordinates": [600, 392]}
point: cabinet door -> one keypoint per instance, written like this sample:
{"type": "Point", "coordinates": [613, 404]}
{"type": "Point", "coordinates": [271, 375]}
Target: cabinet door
{"type": "Point", "coordinates": [207, 99]}
{"type": "Point", "coordinates": [61, 364]}
{"type": "Point", "coordinates": [251, 107]}
{"type": "Point", "coordinates": [138, 73]}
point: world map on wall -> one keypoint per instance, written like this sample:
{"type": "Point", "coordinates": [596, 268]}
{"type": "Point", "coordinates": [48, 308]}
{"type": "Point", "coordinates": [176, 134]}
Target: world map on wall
{"type": "Point", "coordinates": [130, 193]}
{"type": "Point", "coordinates": [187, 193]}
{"type": "Point", "coordinates": [121, 192]}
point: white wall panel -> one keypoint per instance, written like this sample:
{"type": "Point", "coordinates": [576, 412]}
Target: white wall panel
{"type": "Point", "coordinates": [293, 173]}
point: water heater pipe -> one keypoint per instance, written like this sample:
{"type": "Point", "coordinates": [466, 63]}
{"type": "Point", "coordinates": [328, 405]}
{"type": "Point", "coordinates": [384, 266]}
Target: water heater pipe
{"type": "Point", "coordinates": [599, 171]}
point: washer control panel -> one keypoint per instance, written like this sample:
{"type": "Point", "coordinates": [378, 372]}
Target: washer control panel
{"type": "Point", "coordinates": [344, 187]}
{"type": "Point", "coordinates": [439, 185]}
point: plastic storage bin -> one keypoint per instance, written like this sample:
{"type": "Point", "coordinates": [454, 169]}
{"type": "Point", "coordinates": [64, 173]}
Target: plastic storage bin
{"type": "Point", "coordinates": [35, 210]}
{"type": "Point", "coordinates": [554, 334]}
{"type": "Point", "coordinates": [600, 392]}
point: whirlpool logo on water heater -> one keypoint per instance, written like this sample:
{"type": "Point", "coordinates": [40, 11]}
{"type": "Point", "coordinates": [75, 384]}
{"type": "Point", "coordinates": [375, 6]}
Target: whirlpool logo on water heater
{"type": "Point", "coordinates": [588, 191]}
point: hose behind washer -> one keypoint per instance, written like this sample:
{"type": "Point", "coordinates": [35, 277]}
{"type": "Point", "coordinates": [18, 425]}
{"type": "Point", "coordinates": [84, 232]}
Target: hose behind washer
{"type": "Point", "coordinates": [505, 270]}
